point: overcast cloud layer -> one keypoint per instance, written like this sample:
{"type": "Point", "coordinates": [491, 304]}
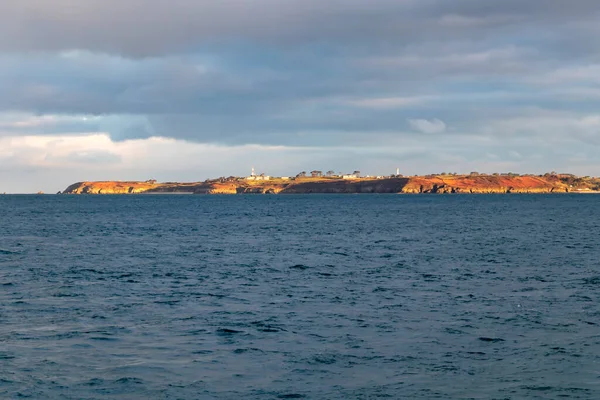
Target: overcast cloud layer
{"type": "Point", "coordinates": [90, 88]}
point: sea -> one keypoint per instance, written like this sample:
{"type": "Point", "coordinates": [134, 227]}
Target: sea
{"type": "Point", "coordinates": [300, 297]}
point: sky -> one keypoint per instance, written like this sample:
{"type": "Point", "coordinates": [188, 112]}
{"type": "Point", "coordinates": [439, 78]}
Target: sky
{"type": "Point", "coordinates": [186, 90]}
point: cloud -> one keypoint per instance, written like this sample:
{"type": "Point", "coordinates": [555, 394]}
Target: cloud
{"type": "Point", "coordinates": [87, 157]}
{"type": "Point", "coordinates": [387, 102]}
{"type": "Point", "coordinates": [340, 80]}
{"type": "Point", "coordinates": [550, 129]}
{"type": "Point", "coordinates": [428, 126]}
{"type": "Point", "coordinates": [218, 73]}
{"type": "Point", "coordinates": [52, 162]}
{"type": "Point", "coordinates": [465, 21]}
{"type": "Point", "coordinates": [501, 61]}
{"type": "Point", "coordinates": [515, 154]}
{"type": "Point", "coordinates": [185, 25]}
{"type": "Point", "coordinates": [581, 73]}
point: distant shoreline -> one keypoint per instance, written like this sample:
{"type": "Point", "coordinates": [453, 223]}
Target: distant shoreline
{"type": "Point", "coordinates": [434, 184]}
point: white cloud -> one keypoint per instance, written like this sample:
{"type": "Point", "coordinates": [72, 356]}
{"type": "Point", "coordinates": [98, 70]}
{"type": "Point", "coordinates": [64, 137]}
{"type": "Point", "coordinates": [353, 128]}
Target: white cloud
{"type": "Point", "coordinates": [386, 102]}
{"type": "Point", "coordinates": [490, 61]}
{"type": "Point", "coordinates": [428, 126]}
{"type": "Point", "coordinates": [549, 128]}
{"type": "Point", "coordinates": [515, 154]}
{"type": "Point", "coordinates": [15, 121]}
{"type": "Point", "coordinates": [575, 74]}
{"type": "Point", "coordinates": [463, 21]}
{"type": "Point", "coordinates": [75, 151]}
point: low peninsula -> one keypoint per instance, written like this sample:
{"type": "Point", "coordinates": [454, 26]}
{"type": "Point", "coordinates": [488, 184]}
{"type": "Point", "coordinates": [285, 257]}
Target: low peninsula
{"type": "Point", "coordinates": [353, 183]}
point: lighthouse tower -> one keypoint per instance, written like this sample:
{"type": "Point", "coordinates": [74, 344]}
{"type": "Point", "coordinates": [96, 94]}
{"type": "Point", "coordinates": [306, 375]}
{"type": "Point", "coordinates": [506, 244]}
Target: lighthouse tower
{"type": "Point", "coordinates": [253, 173]}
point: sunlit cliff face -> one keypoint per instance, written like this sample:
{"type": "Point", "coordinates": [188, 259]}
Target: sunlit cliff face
{"type": "Point", "coordinates": [194, 89]}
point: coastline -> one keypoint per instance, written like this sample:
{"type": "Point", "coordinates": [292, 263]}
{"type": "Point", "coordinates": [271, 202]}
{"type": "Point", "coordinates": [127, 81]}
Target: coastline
{"type": "Point", "coordinates": [430, 184]}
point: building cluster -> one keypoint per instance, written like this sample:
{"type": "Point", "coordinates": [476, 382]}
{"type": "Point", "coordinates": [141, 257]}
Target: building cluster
{"type": "Point", "coordinates": [329, 174]}
{"type": "Point", "coordinates": [319, 174]}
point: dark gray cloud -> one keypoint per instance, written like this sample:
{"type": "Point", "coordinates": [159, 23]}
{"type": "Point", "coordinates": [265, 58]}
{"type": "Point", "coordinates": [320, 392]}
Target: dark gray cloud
{"type": "Point", "coordinates": [298, 72]}
{"type": "Point", "coordinates": [156, 27]}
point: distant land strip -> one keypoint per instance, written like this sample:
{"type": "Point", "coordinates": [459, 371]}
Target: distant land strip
{"type": "Point", "coordinates": [443, 184]}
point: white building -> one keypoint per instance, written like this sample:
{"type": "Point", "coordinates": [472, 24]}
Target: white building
{"type": "Point", "coordinates": [354, 175]}
{"type": "Point", "coordinates": [258, 178]}
{"type": "Point", "coordinates": [254, 177]}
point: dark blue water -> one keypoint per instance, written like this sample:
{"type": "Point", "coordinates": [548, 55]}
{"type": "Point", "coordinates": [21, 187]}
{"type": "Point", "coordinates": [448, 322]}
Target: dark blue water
{"type": "Point", "coordinates": [329, 297]}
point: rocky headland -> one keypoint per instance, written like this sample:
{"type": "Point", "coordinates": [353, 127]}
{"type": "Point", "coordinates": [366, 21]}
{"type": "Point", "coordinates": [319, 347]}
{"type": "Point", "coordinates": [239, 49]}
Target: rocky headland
{"type": "Point", "coordinates": [548, 183]}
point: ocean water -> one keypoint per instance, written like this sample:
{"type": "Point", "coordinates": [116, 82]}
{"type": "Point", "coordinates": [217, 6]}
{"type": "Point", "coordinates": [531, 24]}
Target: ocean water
{"type": "Point", "coordinates": [308, 296]}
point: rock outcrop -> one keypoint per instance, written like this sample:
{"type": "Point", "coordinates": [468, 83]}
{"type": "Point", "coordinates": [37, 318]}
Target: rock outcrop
{"type": "Point", "coordinates": [109, 187]}
{"type": "Point", "coordinates": [485, 184]}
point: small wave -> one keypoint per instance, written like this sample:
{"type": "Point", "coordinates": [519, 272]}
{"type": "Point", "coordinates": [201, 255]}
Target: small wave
{"type": "Point", "coordinates": [324, 359]}
{"type": "Point", "coordinates": [299, 266]}
{"type": "Point", "coordinates": [167, 302]}
{"type": "Point", "coordinates": [94, 382]}
{"type": "Point", "coordinates": [8, 252]}
{"type": "Point", "coordinates": [67, 295]}
{"type": "Point", "coordinates": [227, 332]}
{"type": "Point", "coordinates": [266, 327]}
{"type": "Point", "coordinates": [128, 379]}
{"type": "Point", "coordinates": [247, 350]}
{"type": "Point", "coordinates": [595, 280]}
{"type": "Point", "coordinates": [103, 338]}
{"type": "Point", "coordinates": [540, 388]}
{"type": "Point", "coordinates": [453, 331]}
{"type": "Point", "coordinates": [491, 340]}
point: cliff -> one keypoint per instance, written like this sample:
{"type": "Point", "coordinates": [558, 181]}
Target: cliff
{"type": "Point", "coordinates": [109, 187]}
{"type": "Point", "coordinates": [417, 184]}
{"type": "Point", "coordinates": [485, 184]}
